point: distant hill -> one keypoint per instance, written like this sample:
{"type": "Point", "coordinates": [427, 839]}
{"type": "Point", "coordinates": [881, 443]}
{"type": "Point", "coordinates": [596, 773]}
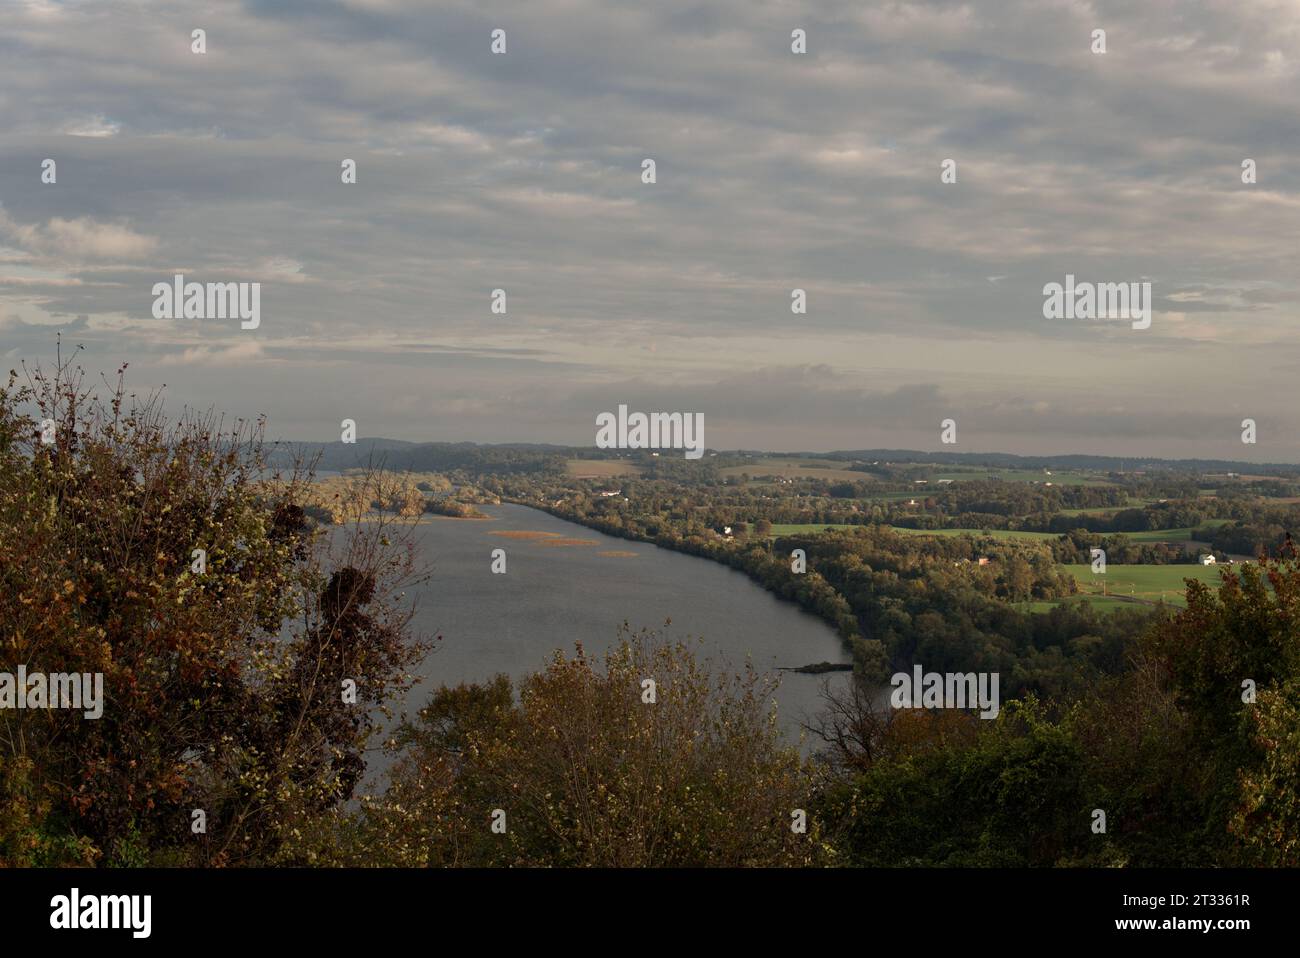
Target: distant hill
{"type": "Point", "coordinates": [400, 456]}
{"type": "Point", "coordinates": [523, 457]}
{"type": "Point", "coordinates": [1005, 460]}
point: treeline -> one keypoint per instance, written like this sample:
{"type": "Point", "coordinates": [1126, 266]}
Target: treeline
{"type": "Point", "coordinates": [1124, 467]}
{"type": "Point", "coordinates": [931, 601]}
{"type": "Point", "coordinates": [393, 456]}
{"type": "Point", "coordinates": [1266, 533]}
{"type": "Point", "coordinates": [687, 498]}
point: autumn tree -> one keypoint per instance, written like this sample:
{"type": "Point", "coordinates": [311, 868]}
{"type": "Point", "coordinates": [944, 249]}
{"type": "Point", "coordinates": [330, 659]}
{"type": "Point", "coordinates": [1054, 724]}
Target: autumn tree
{"type": "Point", "coordinates": [244, 657]}
{"type": "Point", "coordinates": [650, 757]}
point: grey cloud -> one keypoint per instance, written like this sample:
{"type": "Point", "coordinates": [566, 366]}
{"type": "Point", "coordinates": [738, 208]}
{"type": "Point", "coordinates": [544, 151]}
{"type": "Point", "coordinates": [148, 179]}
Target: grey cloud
{"type": "Point", "coordinates": [522, 172]}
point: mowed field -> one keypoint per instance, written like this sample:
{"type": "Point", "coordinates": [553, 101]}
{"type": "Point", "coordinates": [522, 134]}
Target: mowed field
{"type": "Point", "coordinates": [806, 528]}
{"type": "Point", "coordinates": [1104, 510]}
{"type": "Point", "coordinates": [1151, 535]}
{"type": "Point", "coordinates": [992, 533]}
{"type": "Point", "coordinates": [1155, 535]}
{"type": "Point", "coordinates": [796, 469]}
{"type": "Point", "coordinates": [1065, 478]}
{"type": "Point", "coordinates": [811, 528]}
{"type": "Point", "coordinates": [1151, 583]}
{"type": "Point", "coordinates": [600, 468]}
{"type": "Point", "coordinates": [1160, 535]}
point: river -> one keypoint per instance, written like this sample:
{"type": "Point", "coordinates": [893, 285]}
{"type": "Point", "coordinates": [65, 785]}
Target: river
{"type": "Point", "coordinates": [552, 596]}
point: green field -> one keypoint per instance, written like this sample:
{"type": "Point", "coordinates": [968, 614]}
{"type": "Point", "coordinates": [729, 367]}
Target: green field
{"type": "Point", "coordinates": [1151, 535]}
{"type": "Point", "coordinates": [797, 469]}
{"type": "Point", "coordinates": [1171, 535]}
{"type": "Point", "coordinates": [600, 468]}
{"type": "Point", "coordinates": [794, 528]}
{"type": "Point", "coordinates": [806, 528]}
{"type": "Point", "coordinates": [1103, 510]}
{"type": "Point", "coordinates": [1064, 478]}
{"type": "Point", "coordinates": [1148, 582]}
{"type": "Point", "coordinates": [1160, 535]}
{"type": "Point", "coordinates": [993, 533]}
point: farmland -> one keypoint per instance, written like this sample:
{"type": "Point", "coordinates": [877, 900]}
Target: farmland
{"type": "Point", "coordinates": [993, 533]}
{"type": "Point", "coordinates": [796, 469]}
{"type": "Point", "coordinates": [1106, 510]}
{"type": "Point", "coordinates": [1150, 535]}
{"type": "Point", "coordinates": [807, 528]}
{"type": "Point", "coordinates": [1151, 583]}
{"type": "Point", "coordinates": [1063, 478]}
{"type": "Point", "coordinates": [600, 468]}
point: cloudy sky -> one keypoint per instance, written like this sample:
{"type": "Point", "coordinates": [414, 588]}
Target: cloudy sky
{"type": "Point", "coordinates": [522, 171]}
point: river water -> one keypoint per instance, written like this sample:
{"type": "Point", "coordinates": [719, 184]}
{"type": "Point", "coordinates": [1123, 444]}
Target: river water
{"type": "Point", "coordinates": [552, 596]}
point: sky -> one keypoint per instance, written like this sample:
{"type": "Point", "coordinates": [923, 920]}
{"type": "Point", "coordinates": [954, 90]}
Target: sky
{"type": "Point", "coordinates": [775, 170]}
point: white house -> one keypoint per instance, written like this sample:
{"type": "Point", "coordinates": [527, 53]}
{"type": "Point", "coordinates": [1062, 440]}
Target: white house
{"type": "Point", "coordinates": [1207, 560]}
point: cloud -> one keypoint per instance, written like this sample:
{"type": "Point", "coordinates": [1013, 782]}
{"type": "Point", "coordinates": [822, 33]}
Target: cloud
{"type": "Point", "coordinates": [776, 171]}
{"type": "Point", "coordinates": [78, 240]}
{"type": "Point", "coordinates": [95, 126]}
{"type": "Point", "coordinates": [238, 354]}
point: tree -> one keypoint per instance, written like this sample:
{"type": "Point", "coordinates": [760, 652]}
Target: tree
{"type": "Point", "coordinates": [167, 557]}
{"type": "Point", "coordinates": [1268, 818]}
{"type": "Point", "coordinates": [589, 772]}
{"type": "Point", "coordinates": [1243, 638]}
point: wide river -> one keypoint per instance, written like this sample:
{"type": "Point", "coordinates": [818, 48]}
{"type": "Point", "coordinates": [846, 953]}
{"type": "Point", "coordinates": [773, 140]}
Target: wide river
{"type": "Point", "coordinates": [552, 596]}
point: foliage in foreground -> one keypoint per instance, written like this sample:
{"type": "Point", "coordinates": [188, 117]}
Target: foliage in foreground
{"type": "Point", "coordinates": [589, 773]}
{"type": "Point", "coordinates": [221, 679]}
{"type": "Point", "coordinates": [1188, 766]}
